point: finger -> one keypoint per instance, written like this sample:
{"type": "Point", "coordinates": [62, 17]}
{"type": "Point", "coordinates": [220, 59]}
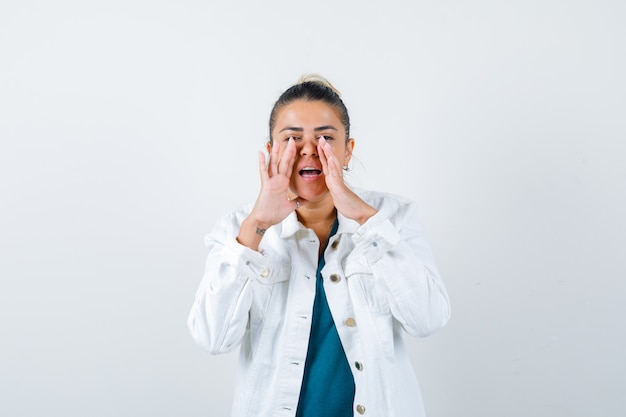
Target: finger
{"type": "Point", "coordinates": [322, 155]}
{"type": "Point", "coordinates": [274, 159]}
{"type": "Point", "coordinates": [263, 167]}
{"type": "Point", "coordinates": [331, 161]}
{"type": "Point", "coordinates": [288, 159]}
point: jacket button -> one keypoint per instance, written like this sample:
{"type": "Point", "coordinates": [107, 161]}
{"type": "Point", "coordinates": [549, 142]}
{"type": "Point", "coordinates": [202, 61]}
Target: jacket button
{"type": "Point", "coordinates": [335, 278]}
{"type": "Point", "coordinates": [360, 409]}
{"type": "Point", "coordinates": [358, 365]}
{"type": "Point", "coordinates": [350, 322]}
{"type": "Point", "coordinates": [335, 244]}
{"type": "Point", "coordinates": [265, 273]}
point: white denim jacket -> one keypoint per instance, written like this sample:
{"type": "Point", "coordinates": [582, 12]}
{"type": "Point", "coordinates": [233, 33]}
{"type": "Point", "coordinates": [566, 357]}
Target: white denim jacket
{"type": "Point", "coordinates": [381, 279]}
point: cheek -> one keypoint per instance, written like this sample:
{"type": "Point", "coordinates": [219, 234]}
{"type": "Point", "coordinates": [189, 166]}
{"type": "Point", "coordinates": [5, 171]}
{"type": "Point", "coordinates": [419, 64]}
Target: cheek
{"type": "Point", "coordinates": [341, 153]}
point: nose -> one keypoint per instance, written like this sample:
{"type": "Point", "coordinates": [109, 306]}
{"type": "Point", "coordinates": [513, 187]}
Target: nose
{"type": "Point", "coordinates": [308, 146]}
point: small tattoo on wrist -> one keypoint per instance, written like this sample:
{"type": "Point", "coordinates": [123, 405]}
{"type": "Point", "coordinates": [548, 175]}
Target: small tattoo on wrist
{"type": "Point", "coordinates": [260, 231]}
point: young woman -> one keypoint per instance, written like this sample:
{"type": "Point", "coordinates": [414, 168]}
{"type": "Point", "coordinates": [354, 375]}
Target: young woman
{"type": "Point", "coordinates": [316, 282]}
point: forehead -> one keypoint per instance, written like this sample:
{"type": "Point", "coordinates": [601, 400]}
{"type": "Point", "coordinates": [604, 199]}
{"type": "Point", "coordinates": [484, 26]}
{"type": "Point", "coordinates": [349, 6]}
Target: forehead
{"type": "Point", "coordinates": [307, 114]}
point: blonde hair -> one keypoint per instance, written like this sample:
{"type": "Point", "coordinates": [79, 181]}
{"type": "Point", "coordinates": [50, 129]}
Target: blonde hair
{"type": "Point", "coordinates": [316, 78]}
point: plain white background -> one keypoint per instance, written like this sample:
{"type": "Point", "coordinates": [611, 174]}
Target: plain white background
{"type": "Point", "coordinates": [128, 127]}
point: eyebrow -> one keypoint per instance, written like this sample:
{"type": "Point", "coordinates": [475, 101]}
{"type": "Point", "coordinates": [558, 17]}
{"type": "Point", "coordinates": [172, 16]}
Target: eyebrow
{"type": "Point", "coordinates": [317, 129]}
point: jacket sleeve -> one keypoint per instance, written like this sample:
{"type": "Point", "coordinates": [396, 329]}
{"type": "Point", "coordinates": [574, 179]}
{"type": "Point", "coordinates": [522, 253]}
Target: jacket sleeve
{"type": "Point", "coordinates": [393, 249]}
{"type": "Point", "coordinates": [219, 315]}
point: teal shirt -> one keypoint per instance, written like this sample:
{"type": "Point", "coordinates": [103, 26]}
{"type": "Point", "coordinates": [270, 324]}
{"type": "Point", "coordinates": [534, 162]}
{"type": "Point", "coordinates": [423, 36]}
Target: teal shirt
{"type": "Point", "coordinates": [328, 385]}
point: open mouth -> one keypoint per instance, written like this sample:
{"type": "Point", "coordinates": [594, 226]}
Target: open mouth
{"type": "Point", "coordinates": [310, 172]}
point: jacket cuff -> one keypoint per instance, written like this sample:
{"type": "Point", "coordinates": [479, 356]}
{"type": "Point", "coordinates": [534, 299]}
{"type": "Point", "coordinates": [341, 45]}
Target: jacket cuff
{"type": "Point", "coordinates": [375, 237]}
{"type": "Point", "coordinates": [252, 264]}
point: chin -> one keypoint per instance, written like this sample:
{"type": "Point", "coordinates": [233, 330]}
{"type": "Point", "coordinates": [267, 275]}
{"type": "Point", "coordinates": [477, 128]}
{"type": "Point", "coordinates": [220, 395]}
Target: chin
{"type": "Point", "coordinates": [309, 193]}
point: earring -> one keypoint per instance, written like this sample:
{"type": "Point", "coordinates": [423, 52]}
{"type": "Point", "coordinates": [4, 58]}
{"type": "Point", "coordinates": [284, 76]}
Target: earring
{"type": "Point", "coordinates": [346, 168]}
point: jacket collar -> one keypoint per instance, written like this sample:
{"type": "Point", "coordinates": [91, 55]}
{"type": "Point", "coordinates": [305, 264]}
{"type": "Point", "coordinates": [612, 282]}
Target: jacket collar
{"type": "Point", "coordinates": [346, 225]}
{"type": "Point", "coordinates": [290, 225]}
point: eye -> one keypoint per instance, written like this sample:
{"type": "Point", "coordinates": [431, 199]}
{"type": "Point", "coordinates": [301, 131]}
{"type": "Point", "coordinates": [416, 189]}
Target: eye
{"type": "Point", "coordinates": [291, 137]}
{"type": "Point", "coordinates": [326, 137]}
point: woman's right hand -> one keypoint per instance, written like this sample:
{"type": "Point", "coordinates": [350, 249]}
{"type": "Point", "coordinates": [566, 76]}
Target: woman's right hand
{"type": "Point", "coordinates": [273, 204]}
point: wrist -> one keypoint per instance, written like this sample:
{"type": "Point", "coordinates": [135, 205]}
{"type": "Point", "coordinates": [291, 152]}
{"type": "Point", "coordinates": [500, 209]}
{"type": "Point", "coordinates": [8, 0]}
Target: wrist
{"type": "Point", "coordinates": [366, 215]}
{"type": "Point", "coordinates": [251, 233]}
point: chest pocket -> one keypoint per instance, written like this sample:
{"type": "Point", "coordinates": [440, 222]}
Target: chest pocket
{"type": "Point", "coordinates": [268, 292]}
{"type": "Point", "coordinates": [370, 300]}
{"type": "Point", "coordinates": [370, 290]}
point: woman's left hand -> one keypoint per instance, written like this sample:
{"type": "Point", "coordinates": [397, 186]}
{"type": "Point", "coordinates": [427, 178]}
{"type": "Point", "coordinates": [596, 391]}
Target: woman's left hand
{"type": "Point", "coordinates": [346, 201]}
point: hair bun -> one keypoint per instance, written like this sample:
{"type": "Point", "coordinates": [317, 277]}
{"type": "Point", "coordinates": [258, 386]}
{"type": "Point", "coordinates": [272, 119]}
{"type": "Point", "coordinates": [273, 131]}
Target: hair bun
{"type": "Point", "coordinates": [318, 79]}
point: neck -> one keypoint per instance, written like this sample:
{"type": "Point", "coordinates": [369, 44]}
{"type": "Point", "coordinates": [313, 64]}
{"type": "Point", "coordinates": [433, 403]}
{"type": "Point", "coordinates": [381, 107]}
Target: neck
{"type": "Point", "coordinates": [320, 218]}
{"type": "Point", "coordinates": [314, 214]}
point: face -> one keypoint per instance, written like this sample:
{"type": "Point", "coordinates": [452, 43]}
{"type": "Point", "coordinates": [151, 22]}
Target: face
{"type": "Point", "coordinates": [305, 122]}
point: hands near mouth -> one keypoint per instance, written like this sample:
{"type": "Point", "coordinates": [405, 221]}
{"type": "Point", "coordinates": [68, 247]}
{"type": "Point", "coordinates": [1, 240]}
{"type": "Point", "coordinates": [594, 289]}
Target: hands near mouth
{"type": "Point", "coordinates": [273, 203]}
{"type": "Point", "coordinates": [346, 201]}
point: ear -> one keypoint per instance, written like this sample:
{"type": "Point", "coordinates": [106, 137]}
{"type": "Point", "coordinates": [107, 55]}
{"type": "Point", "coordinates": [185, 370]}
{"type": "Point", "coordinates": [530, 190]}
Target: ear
{"type": "Point", "coordinates": [349, 149]}
{"type": "Point", "coordinates": [268, 147]}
